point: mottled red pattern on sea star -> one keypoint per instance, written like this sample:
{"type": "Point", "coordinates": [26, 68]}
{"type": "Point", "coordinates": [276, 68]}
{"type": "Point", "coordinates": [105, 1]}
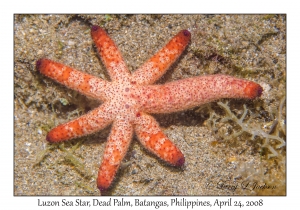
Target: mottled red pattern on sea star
{"type": "Point", "coordinates": [129, 99]}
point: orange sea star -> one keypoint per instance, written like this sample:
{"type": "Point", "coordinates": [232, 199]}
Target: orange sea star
{"type": "Point", "coordinates": [129, 98]}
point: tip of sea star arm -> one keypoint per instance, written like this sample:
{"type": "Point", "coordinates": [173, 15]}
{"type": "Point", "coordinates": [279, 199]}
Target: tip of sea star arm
{"type": "Point", "coordinates": [97, 31]}
{"type": "Point", "coordinates": [58, 134]}
{"type": "Point", "coordinates": [185, 36]}
{"type": "Point", "coordinates": [253, 90]}
{"type": "Point", "coordinates": [259, 91]}
{"type": "Point", "coordinates": [95, 28]}
{"type": "Point", "coordinates": [186, 33]}
{"type": "Point", "coordinates": [52, 138]}
{"type": "Point", "coordinates": [103, 190]}
{"type": "Point", "coordinates": [180, 161]}
{"type": "Point", "coordinates": [40, 63]}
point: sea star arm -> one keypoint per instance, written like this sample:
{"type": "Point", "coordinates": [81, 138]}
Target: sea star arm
{"type": "Point", "coordinates": [72, 78]}
{"type": "Point", "coordinates": [156, 66]}
{"type": "Point", "coordinates": [115, 150]}
{"type": "Point", "coordinates": [191, 92]}
{"type": "Point", "coordinates": [110, 54]}
{"type": "Point", "coordinates": [151, 136]}
{"type": "Point", "coordinates": [91, 122]}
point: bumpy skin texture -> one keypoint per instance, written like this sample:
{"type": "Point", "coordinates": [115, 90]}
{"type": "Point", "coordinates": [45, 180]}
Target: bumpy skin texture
{"type": "Point", "coordinates": [129, 98]}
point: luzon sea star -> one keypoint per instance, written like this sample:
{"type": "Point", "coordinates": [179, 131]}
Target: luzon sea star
{"type": "Point", "coordinates": [128, 99]}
